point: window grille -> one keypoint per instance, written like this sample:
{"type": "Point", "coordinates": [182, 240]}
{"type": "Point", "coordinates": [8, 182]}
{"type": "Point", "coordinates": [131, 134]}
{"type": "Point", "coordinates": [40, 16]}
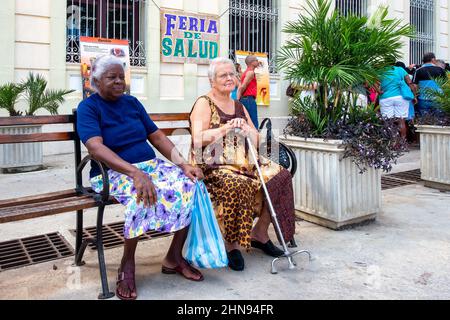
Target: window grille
{"type": "Point", "coordinates": [357, 7]}
{"type": "Point", "coordinates": [423, 20]}
{"type": "Point", "coordinates": [112, 19]}
{"type": "Point", "coordinates": [254, 27]}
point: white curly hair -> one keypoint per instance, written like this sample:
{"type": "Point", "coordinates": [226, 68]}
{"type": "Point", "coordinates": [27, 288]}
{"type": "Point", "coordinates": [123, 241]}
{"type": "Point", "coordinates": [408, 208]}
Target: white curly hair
{"type": "Point", "coordinates": [101, 65]}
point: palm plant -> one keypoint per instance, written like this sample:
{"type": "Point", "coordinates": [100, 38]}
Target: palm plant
{"type": "Point", "coordinates": [439, 115]}
{"type": "Point", "coordinates": [39, 97]}
{"type": "Point", "coordinates": [9, 94]}
{"type": "Point", "coordinates": [440, 95]}
{"type": "Point", "coordinates": [340, 55]}
{"type": "Point", "coordinates": [339, 52]}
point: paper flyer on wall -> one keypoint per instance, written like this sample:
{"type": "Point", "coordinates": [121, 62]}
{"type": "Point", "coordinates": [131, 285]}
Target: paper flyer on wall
{"type": "Point", "coordinates": [262, 75]}
{"type": "Point", "coordinates": [91, 48]}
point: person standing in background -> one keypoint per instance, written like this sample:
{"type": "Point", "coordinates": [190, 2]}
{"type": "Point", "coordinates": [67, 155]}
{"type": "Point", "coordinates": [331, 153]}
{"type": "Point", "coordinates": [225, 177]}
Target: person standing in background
{"type": "Point", "coordinates": [409, 121]}
{"type": "Point", "coordinates": [425, 78]}
{"type": "Point", "coordinates": [248, 88]}
{"type": "Point", "coordinates": [393, 103]}
{"type": "Point", "coordinates": [238, 82]}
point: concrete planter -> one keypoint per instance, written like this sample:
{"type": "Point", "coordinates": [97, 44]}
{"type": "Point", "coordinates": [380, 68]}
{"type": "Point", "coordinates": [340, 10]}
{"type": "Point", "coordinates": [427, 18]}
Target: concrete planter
{"type": "Point", "coordinates": [21, 157]}
{"type": "Point", "coordinates": [435, 156]}
{"type": "Point", "coordinates": [329, 191]}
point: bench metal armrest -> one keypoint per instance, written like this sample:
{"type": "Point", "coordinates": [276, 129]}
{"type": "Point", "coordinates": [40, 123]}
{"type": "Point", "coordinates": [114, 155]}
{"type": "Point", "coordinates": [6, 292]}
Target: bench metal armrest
{"type": "Point", "coordinates": [283, 148]}
{"type": "Point", "coordinates": [105, 179]}
{"type": "Point", "coordinates": [292, 157]}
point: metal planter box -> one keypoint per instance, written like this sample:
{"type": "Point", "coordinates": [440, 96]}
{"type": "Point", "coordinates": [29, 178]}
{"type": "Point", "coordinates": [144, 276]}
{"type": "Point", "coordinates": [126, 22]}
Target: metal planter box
{"type": "Point", "coordinates": [435, 156]}
{"type": "Point", "coordinates": [329, 191]}
{"type": "Point", "coordinates": [21, 157]}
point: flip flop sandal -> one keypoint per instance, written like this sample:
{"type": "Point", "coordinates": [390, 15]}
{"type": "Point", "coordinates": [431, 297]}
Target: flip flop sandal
{"type": "Point", "coordinates": [180, 268]}
{"type": "Point", "coordinates": [130, 282]}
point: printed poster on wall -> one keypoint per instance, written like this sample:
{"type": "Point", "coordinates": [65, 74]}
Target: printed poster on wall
{"type": "Point", "coordinates": [91, 48]}
{"type": "Point", "coordinates": [189, 37]}
{"type": "Point", "coordinates": [262, 75]}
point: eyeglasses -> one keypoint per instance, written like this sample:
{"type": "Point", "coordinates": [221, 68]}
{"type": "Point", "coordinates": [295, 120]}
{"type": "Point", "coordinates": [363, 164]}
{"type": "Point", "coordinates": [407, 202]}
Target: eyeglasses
{"type": "Point", "coordinates": [224, 76]}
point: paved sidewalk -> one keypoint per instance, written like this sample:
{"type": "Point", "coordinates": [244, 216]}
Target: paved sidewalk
{"type": "Point", "coordinates": [404, 254]}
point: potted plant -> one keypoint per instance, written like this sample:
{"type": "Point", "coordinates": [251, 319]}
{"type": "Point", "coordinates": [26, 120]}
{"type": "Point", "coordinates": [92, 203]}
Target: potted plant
{"type": "Point", "coordinates": [27, 156]}
{"type": "Point", "coordinates": [434, 129]}
{"type": "Point", "coordinates": [341, 145]}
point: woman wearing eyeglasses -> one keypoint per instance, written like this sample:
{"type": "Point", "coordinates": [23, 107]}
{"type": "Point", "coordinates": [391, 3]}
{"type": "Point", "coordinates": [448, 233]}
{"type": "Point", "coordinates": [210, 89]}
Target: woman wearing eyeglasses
{"type": "Point", "coordinates": [219, 126]}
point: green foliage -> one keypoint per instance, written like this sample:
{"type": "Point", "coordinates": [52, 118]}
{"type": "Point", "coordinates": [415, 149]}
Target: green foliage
{"type": "Point", "coordinates": [339, 52]}
{"type": "Point", "coordinates": [340, 55]}
{"type": "Point", "coordinates": [34, 90]}
{"type": "Point", "coordinates": [39, 97]}
{"type": "Point", "coordinates": [370, 140]}
{"type": "Point", "coordinates": [441, 95]}
{"type": "Point", "coordinates": [9, 94]}
{"type": "Point", "coordinates": [316, 119]}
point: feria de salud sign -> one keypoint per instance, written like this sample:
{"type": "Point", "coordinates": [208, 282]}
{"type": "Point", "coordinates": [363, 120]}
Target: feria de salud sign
{"type": "Point", "coordinates": [188, 37]}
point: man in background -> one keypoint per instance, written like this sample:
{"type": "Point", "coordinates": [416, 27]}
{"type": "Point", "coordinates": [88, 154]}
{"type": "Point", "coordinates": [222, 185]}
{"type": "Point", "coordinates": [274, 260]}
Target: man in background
{"type": "Point", "coordinates": [248, 89]}
{"type": "Point", "coordinates": [425, 78]}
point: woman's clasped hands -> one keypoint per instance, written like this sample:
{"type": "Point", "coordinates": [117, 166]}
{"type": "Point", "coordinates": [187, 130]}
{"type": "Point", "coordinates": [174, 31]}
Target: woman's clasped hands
{"type": "Point", "coordinates": [240, 126]}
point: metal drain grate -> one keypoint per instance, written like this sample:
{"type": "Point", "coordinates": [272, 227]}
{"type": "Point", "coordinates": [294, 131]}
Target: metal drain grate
{"type": "Point", "coordinates": [400, 179]}
{"type": "Point", "coordinates": [113, 235]}
{"type": "Point", "coordinates": [389, 183]}
{"type": "Point", "coordinates": [32, 250]}
{"type": "Point", "coordinates": [411, 175]}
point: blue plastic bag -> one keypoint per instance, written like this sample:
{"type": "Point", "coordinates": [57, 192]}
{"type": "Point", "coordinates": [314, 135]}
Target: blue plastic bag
{"type": "Point", "coordinates": [204, 247]}
{"type": "Point", "coordinates": [406, 91]}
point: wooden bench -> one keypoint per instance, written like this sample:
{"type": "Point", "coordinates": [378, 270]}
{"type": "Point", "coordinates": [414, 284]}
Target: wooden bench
{"type": "Point", "coordinates": [80, 198]}
{"type": "Point", "coordinates": [75, 199]}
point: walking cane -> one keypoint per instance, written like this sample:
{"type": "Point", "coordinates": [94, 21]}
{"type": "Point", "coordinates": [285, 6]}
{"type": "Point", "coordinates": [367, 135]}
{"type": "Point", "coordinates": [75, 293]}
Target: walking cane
{"type": "Point", "coordinates": [287, 254]}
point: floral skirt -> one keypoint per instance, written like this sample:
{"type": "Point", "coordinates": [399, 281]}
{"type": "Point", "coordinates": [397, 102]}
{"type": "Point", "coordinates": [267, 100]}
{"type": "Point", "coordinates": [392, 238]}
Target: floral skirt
{"type": "Point", "coordinates": [172, 210]}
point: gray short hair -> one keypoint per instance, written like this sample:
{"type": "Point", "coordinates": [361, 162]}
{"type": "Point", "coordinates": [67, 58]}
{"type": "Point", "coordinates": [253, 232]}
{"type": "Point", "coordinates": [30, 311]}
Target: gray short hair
{"type": "Point", "coordinates": [440, 63]}
{"type": "Point", "coordinates": [101, 65]}
{"type": "Point", "coordinates": [213, 65]}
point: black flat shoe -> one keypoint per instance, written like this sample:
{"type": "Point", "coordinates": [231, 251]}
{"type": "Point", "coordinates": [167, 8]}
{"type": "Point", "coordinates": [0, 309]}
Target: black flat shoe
{"type": "Point", "coordinates": [235, 260]}
{"type": "Point", "coordinates": [269, 248]}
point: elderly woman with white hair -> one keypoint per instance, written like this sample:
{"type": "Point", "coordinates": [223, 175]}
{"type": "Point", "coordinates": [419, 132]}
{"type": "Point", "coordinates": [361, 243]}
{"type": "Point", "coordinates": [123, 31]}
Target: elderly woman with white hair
{"type": "Point", "coordinates": [158, 195]}
{"type": "Point", "coordinates": [231, 178]}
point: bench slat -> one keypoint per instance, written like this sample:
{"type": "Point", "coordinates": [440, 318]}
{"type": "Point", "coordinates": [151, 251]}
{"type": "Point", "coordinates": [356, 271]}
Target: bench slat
{"type": "Point", "coordinates": [38, 198]}
{"type": "Point", "coordinates": [170, 131]}
{"type": "Point", "coordinates": [43, 203]}
{"type": "Point", "coordinates": [30, 120]}
{"type": "Point", "coordinates": [43, 120]}
{"type": "Point", "coordinates": [169, 116]}
{"type": "Point", "coordinates": [36, 137]}
{"type": "Point", "coordinates": [44, 209]}
{"type": "Point", "coordinates": [61, 136]}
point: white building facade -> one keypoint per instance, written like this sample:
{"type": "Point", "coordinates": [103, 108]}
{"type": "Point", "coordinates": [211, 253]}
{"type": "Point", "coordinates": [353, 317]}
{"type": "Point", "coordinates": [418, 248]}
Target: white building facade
{"type": "Point", "coordinates": [39, 36]}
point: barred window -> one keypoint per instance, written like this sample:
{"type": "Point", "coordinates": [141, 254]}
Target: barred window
{"type": "Point", "coordinates": [254, 27]}
{"type": "Point", "coordinates": [112, 19]}
{"type": "Point", "coordinates": [423, 20]}
{"type": "Point", "coordinates": [357, 7]}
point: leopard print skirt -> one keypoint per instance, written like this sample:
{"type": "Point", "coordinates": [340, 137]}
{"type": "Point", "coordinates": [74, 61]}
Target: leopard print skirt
{"type": "Point", "coordinates": [234, 198]}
